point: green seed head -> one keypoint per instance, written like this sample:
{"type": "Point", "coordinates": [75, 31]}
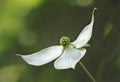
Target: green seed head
{"type": "Point", "coordinates": [64, 40]}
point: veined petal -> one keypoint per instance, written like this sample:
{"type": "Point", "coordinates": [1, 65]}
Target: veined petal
{"type": "Point", "coordinates": [69, 58]}
{"type": "Point", "coordinates": [43, 56]}
{"type": "Point", "coordinates": [85, 35]}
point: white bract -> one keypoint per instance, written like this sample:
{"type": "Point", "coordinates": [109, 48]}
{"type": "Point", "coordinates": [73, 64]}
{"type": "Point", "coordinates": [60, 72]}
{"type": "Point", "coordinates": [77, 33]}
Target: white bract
{"type": "Point", "coordinates": [67, 54]}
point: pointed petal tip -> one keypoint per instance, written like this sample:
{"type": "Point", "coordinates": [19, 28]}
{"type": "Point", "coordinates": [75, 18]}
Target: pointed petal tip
{"type": "Point", "coordinates": [95, 8]}
{"type": "Point", "coordinates": [17, 54]}
{"type": "Point", "coordinates": [87, 45]}
{"type": "Point", "coordinates": [73, 67]}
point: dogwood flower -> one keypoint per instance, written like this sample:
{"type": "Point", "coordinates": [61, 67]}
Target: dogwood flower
{"type": "Point", "coordinates": [67, 54]}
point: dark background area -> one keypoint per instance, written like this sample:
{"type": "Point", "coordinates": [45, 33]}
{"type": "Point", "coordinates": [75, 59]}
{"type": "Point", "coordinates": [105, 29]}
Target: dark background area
{"type": "Point", "coordinates": [27, 26]}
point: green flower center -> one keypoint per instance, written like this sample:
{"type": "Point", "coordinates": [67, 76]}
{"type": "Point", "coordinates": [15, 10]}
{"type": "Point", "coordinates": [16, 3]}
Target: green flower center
{"type": "Point", "coordinates": [64, 40]}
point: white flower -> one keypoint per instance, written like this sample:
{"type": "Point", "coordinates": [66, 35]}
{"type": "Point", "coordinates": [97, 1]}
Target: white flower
{"type": "Point", "coordinates": [68, 54]}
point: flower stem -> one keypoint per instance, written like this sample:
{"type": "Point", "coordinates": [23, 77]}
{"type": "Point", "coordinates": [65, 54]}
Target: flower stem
{"type": "Point", "coordinates": [89, 74]}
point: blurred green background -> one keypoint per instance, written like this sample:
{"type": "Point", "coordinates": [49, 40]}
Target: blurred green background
{"type": "Point", "coordinates": [27, 26]}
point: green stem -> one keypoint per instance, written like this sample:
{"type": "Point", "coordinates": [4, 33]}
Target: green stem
{"type": "Point", "coordinates": [87, 71]}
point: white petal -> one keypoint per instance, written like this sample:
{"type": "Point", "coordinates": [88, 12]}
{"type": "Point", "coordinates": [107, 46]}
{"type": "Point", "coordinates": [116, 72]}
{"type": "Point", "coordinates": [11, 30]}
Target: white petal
{"type": "Point", "coordinates": [85, 35]}
{"type": "Point", "coordinates": [43, 56]}
{"type": "Point", "coordinates": [69, 58]}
